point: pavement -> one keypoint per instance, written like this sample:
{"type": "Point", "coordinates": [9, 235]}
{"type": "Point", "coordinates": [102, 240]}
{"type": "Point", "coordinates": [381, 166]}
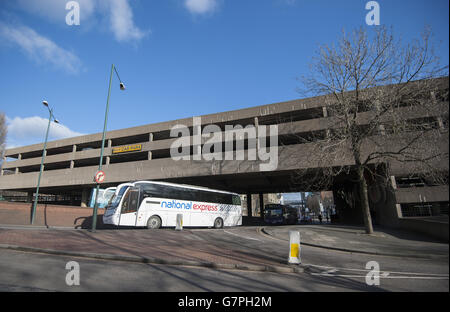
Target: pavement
{"type": "Point", "coordinates": [164, 246]}
{"type": "Point", "coordinates": [242, 248]}
{"type": "Point", "coordinates": [384, 242]}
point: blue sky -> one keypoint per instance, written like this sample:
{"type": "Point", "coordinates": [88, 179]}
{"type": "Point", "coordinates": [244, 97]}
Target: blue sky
{"type": "Point", "coordinates": [177, 58]}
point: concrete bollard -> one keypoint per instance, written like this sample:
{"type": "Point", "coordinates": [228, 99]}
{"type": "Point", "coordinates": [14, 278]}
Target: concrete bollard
{"type": "Point", "coordinates": [294, 247]}
{"type": "Point", "coordinates": [179, 225]}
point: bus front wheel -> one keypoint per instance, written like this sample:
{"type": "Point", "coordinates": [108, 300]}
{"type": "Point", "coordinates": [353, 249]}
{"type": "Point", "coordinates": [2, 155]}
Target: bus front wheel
{"type": "Point", "coordinates": [218, 223]}
{"type": "Point", "coordinates": [154, 222]}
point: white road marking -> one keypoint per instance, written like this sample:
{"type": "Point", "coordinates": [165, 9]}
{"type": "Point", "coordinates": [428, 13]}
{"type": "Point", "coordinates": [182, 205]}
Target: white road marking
{"type": "Point", "coordinates": [381, 276]}
{"type": "Point", "coordinates": [382, 272]}
{"type": "Point", "coordinates": [241, 236]}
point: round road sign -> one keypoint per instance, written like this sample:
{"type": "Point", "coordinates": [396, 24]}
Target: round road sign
{"type": "Point", "coordinates": [100, 177]}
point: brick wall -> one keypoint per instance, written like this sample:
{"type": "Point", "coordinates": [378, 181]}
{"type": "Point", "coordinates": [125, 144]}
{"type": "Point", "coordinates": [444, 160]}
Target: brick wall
{"type": "Point", "coordinates": [48, 215]}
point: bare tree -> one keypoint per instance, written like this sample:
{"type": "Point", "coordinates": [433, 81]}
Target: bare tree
{"type": "Point", "coordinates": [313, 203]}
{"type": "Point", "coordinates": [383, 107]}
{"type": "Point", "coordinates": [2, 136]}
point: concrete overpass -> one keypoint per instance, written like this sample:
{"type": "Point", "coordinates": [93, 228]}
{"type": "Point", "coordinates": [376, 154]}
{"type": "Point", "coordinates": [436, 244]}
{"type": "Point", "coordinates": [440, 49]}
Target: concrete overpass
{"type": "Point", "coordinates": [144, 153]}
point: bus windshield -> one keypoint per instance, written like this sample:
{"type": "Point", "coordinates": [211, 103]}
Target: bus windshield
{"type": "Point", "coordinates": [115, 199]}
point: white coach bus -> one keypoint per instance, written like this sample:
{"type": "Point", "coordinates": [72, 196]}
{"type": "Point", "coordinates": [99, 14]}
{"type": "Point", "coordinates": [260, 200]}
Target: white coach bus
{"type": "Point", "coordinates": [156, 204]}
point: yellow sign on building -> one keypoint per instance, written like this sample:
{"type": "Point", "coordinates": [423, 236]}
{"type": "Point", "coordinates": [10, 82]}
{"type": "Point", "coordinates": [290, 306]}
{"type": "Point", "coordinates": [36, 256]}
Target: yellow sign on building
{"type": "Point", "coordinates": [127, 148]}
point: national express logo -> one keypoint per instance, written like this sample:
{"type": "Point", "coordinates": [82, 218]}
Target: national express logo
{"type": "Point", "coordinates": [188, 205]}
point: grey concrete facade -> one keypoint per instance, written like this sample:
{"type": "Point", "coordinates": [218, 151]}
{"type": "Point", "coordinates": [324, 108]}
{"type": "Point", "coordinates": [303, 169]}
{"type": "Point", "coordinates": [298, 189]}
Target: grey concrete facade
{"type": "Point", "coordinates": [70, 164]}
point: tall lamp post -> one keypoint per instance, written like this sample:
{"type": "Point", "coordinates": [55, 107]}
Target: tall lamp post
{"type": "Point", "coordinates": [122, 87]}
{"type": "Point", "coordinates": [33, 213]}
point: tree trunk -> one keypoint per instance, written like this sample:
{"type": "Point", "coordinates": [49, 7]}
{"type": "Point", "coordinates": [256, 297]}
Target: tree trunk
{"type": "Point", "coordinates": [363, 195]}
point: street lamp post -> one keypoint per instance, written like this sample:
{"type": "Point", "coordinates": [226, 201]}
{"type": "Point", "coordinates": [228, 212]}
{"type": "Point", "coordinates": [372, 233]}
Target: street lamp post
{"type": "Point", "coordinates": [33, 213]}
{"type": "Point", "coordinates": [122, 87]}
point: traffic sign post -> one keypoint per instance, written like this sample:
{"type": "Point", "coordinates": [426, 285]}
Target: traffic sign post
{"type": "Point", "coordinates": [99, 177]}
{"type": "Point", "coordinates": [122, 87]}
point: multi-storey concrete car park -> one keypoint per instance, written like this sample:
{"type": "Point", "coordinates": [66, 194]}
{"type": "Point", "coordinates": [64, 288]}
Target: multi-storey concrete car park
{"type": "Point", "coordinates": [143, 153]}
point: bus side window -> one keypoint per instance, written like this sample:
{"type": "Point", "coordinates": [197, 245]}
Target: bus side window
{"type": "Point", "coordinates": [125, 201]}
{"type": "Point", "coordinates": [134, 198]}
{"type": "Point", "coordinates": [130, 201]}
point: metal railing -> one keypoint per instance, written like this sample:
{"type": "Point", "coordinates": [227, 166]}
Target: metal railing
{"type": "Point", "coordinates": [424, 209]}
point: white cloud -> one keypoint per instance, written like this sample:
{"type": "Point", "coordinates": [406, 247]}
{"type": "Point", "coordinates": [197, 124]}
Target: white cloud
{"type": "Point", "coordinates": [118, 13]}
{"type": "Point", "coordinates": [31, 130]}
{"type": "Point", "coordinates": [122, 24]}
{"type": "Point", "coordinates": [200, 7]}
{"type": "Point", "coordinates": [39, 48]}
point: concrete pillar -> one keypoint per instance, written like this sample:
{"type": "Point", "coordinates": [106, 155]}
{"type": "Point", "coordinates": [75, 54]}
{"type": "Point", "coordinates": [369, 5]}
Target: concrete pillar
{"type": "Point", "coordinates": [325, 115]}
{"type": "Point", "coordinates": [150, 137]}
{"type": "Point", "coordinates": [16, 171]}
{"type": "Point", "coordinates": [72, 162]}
{"type": "Point", "coordinates": [433, 97]}
{"type": "Point", "coordinates": [249, 205]}
{"type": "Point", "coordinates": [440, 123]}
{"type": "Point", "coordinates": [196, 138]}
{"type": "Point", "coordinates": [399, 210]}
{"type": "Point", "coordinates": [438, 119]}
{"type": "Point", "coordinates": [109, 143]}
{"type": "Point", "coordinates": [19, 157]}
{"type": "Point", "coordinates": [149, 155]}
{"type": "Point", "coordinates": [261, 205]}
{"type": "Point", "coordinates": [108, 159]}
{"type": "Point", "coordinates": [393, 182]}
{"type": "Point", "coordinates": [84, 197]}
{"type": "Point", "coordinates": [257, 134]}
